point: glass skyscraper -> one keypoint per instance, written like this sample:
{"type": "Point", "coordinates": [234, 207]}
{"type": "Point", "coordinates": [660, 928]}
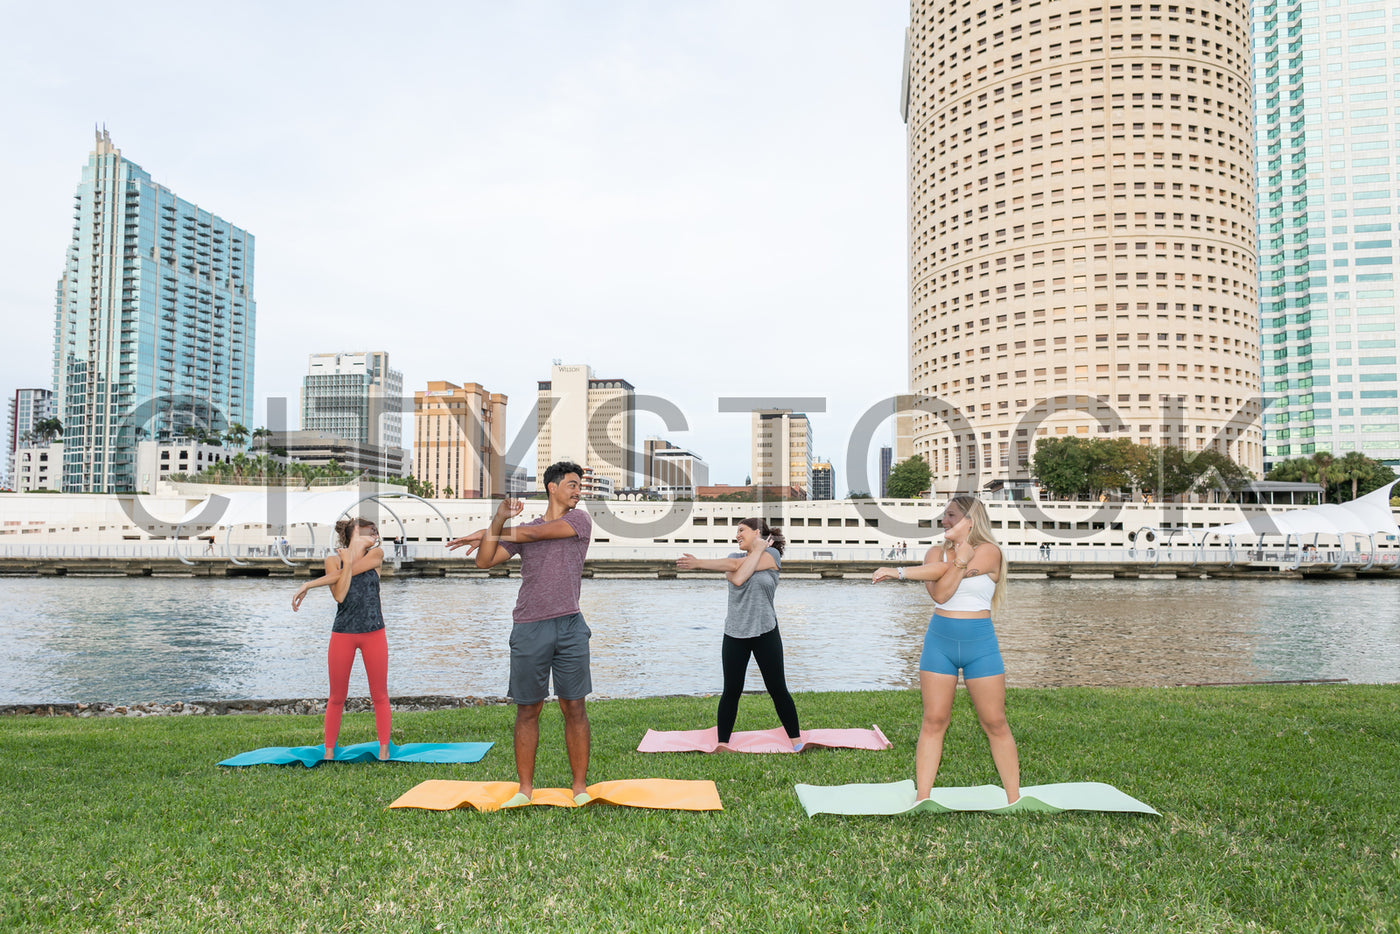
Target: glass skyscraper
{"type": "Point", "coordinates": [1327, 108]}
{"type": "Point", "coordinates": [154, 323]}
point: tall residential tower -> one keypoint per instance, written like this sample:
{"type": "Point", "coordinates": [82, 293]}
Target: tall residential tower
{"type": "Point", "coordinates": [28, 409]}
{"type": "Point", "coordinates": [154, 325]}
{"type": "Point", "coordinates": [1082, 244]}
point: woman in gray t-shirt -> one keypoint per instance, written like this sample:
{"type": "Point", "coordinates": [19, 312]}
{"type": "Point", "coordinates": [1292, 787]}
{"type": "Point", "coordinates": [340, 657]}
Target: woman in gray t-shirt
{"type": "Point", "coordinates": [751, 625]}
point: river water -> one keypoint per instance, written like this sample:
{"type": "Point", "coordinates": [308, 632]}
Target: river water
{"type": "Point", "coordinates": [128, 641]}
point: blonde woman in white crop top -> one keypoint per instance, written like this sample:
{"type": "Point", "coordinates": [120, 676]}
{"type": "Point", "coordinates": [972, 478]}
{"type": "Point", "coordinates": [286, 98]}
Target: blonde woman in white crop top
{"type": "Point", "coordinates": [966, 577]}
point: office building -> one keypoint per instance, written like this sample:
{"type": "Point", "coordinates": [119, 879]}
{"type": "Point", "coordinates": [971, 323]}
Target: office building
{"type": "Point", "coordinates": [823, 480]}
{"type": "Point", "coordinates": [671, 471]}
{"type": "Point", "coordinates": [886, 464]}
{"type": "Point", "coordinates": [1082, 230]}
{"type": "Point", "coordinates": [154, 322]}
{"type": "Point", "coordinates": [589, 421]}
{"type": "Point", "coordinates": [321, 448]}
{"type": "Point", "coordinates": [781, 451]}
{"type": "Point", "coordinates": [519, 481]}
{"type": "Point", "coordinates": [459, 440]}
{"type": "Point", "coordinates": [355, 396]}
{"type": "Point", "coordinates": [28, 409]}
{"type": "Point", "coordinates": [159, 461]}
{"type": "Point", "coordinates": [354, 402]}
{"type": "Point", "coordinates": [1328, 209]}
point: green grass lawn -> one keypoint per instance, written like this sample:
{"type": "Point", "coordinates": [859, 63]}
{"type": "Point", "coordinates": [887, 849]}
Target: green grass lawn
{"type": "Point", "coordinates": [1279, 813]}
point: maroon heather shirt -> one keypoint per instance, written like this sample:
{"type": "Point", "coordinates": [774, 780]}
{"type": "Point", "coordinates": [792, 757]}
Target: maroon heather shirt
{"type": "Point", "coordinates": [551, 571]}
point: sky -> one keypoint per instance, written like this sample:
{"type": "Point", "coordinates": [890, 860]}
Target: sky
{"type": "Point", "coordinates": [706, 199]}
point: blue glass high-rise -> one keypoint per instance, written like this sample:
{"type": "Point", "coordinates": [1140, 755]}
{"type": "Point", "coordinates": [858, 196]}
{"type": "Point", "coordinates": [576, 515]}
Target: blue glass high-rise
{"type": "Point", "coordinates": [1328, 148]}
{"type": "Point", "coordinates": [154, 324]}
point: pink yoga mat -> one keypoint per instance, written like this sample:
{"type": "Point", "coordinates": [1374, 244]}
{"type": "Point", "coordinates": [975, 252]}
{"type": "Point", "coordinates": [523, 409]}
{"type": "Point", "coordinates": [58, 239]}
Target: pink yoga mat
{"type": "Point", "coordinates": [774, 740]}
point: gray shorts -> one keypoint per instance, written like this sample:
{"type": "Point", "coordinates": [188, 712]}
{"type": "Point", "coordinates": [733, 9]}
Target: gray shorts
{"type": "Point", "coordinates": [559, 645]}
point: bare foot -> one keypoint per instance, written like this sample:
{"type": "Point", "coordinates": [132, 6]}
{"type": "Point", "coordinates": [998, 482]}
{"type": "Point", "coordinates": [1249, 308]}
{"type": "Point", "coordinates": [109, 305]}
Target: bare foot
{"type": "Point", "coordinates": [383, 752]}
{"type": "Point", "coordinates": [722, 747]}
{"type": "Point", "coordinates": [330, 754]}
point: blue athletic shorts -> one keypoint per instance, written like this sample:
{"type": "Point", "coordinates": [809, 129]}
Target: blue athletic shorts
{"type": "Point", "coordinates": [969, 644]}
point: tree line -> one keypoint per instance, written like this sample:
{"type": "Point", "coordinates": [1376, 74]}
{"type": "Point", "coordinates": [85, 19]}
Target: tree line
{"type": "Point", "coordinates": [1342, 478]}
{"type": "Point", "coordinates": [1090, 468]}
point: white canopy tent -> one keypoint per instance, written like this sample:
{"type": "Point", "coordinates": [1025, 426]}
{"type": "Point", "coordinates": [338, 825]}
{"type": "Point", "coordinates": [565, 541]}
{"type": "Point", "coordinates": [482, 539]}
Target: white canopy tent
{"type": "Point", "coordinates": [1367, 516]}
{"type": "Point", "coordinates": [282, 509]}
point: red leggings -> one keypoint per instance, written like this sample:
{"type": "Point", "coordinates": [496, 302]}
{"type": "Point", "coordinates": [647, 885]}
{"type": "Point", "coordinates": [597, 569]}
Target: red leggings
{"type": "Point", "coordinates": [374, 651]}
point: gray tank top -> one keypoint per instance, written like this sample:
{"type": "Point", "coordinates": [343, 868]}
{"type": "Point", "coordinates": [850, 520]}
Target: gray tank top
{"type": "Point", "coordinates": [751, 603]}
{"type": "Point", "coordinates": [360, 611]}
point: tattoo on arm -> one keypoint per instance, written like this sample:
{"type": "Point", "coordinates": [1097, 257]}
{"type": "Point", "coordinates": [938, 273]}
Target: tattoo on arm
{"type": "Point", "coordinates": [971, 572]}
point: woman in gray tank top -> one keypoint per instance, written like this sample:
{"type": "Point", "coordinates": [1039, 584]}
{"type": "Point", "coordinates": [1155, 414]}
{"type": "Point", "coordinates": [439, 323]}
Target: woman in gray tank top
{"type": "Point", "coordinates": [751, 625]}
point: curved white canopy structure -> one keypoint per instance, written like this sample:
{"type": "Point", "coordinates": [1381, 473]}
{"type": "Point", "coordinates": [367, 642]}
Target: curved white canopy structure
{"type": "Point", "coordinates": [1366, 515]}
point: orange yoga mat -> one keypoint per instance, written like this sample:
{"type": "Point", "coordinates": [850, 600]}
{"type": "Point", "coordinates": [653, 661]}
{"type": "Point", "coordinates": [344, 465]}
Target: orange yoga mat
{"type": "Point", "coordinates": [658, 793]}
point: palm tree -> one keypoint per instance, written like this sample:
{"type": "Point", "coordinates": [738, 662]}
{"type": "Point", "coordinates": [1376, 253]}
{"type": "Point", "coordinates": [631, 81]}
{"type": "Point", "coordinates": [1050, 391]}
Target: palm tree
{"type": "Point", "coordinates": [235, 434]}
{"type": "Point", "coordinates": [1327, 471]}
{"type": "Point", "coordinates": [47, 429]}
{"type": "Point", "coordinates": [1353, 466]}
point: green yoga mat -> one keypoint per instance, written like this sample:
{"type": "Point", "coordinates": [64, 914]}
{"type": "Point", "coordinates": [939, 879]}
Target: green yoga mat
{"type": "Point", "coordinates": [311, 756]}
{"type": "Point", "coordinates": [898, 798]}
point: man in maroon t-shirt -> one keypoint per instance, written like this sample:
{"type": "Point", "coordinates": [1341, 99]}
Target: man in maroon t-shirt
{"type": "Point", "coordinates": [549, 635]}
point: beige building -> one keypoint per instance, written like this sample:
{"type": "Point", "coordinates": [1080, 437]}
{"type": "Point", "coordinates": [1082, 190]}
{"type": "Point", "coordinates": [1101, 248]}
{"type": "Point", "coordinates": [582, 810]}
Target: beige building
{"type": "Point", "coordinates": [782, 450]}
{"type": "Point", "coordinates": [38, 467]}
{"type": "Point", "coordinates": [459, 440]}
{"type": "Point", "coordinates": [592, 422]}
{"type": "Point", "coordinates": [1082, 230]}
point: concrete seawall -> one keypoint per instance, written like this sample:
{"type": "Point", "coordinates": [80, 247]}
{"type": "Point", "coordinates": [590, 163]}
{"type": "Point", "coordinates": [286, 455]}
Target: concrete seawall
{"type": "Point", "coordinates": [665, 570]}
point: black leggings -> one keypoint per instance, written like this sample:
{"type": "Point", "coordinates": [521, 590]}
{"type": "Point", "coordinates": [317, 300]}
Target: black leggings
{"type": "Point", "coordinates": [767, 650]}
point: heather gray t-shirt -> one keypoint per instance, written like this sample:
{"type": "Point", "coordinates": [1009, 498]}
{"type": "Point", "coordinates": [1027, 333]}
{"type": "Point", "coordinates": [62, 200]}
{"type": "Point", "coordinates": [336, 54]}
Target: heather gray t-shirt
{"type": "Point", "coordinates": [551, 571]}
{"type": "Point", "coordinates": [751, 603]}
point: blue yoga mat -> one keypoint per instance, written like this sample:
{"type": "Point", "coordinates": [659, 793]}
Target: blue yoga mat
{"type": "Point", "coordinates": [312, 756]}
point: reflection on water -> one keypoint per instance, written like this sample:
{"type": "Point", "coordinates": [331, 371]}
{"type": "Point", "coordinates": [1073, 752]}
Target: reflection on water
{"type": "Point", "coordinates": [124, 641]}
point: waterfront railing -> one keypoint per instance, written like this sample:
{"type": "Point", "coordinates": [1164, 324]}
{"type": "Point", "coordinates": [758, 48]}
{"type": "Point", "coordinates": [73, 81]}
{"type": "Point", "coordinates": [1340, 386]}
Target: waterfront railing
{"type": "Point", "coordinates": [1384, 559]}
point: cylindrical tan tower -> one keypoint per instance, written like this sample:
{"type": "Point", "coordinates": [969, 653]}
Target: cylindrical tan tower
{"type": "Point", "coordinates": [1081, 229]}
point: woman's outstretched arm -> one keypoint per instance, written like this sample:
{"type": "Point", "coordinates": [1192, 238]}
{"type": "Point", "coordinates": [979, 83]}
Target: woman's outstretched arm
{"type": "Point", "coordinates": [689, 562]}
{"type": "Point", "coordinates": [933, 568]}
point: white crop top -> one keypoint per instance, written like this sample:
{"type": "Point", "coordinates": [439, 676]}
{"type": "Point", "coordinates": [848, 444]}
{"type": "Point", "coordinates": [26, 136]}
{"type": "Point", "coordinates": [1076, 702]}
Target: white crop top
{"type": "Point", "coordinates": [974, 594]}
